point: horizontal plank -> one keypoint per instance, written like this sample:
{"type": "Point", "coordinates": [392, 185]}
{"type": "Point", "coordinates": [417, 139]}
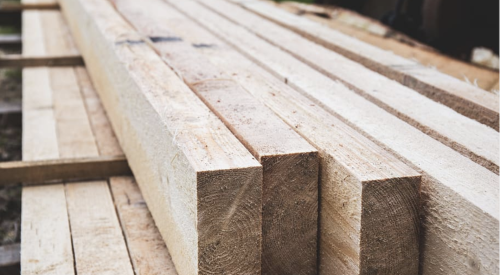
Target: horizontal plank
{"type": "Point", "coordinates": [10, 254]}
{"type": "Point", "coordinates": [16, 6]}
{"type": "Point", "coordinates": [10, 39]}
{"type": "Point", "coordinates": [70, 169]}
{"type": "Point", "coordinates": [19, 61]}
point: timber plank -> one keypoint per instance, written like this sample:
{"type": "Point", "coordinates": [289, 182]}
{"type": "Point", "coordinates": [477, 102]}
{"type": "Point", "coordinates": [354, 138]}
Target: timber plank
{"type": "Point", "coordinates": [45, 234]}
{"type": "Point", "coordinates": [351, 164]}
{"type": "Point", "coordinates": [20, 61]}
{"type": "Point", "coordinates": [46, 40]}
{"type": "Point", "coordinates": [290, 186]}
{"type": "Point", "coordinates": [202, 186]}
{"type": "Point", "coordinates": [72, 169]}
{"type": "Point", "coordinates": [462, 97]}
{"type": "Point", "coordinates": [10, 254]}
{"type": "Point", "coordinates": [147, 249]}
{"type": "Point", "coordinates": [386, 39]}
{"type": "Point", "coordinates": [467, 136]}
{"type": "Point", "coordinates": [97, 237]}
{"type": "Point", "coordinates": [459, 197]}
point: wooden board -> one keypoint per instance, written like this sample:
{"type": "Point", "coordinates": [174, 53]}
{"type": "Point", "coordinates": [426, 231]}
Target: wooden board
{"type": "Point", "coordinates": [372, 32]}
{"type": "Point", "coordinates": [463, 98]}
{"type": "Point", "coordinates": [469, 137]}
{"type": "Point", "coordinates": [339, 146]}
{"type": "Point", "coordinates": [98, 242]}
{"type": "Point", "coordinates": [459, 212]}
{"type": "Point", "coordinates": [290, 186]}
{"type": "Point", "coordinates": [25, 5]}
{"type": "Point", "coordinates": [45, 171]}
{"type": "Point", "coordinates": [19, 61]}
{"type": "Point", "coordinates": [147, 249]}
{"type": "Point", "coordinates": [39, 43]}
{"type": "Point", "coordinates": [202, 186]}
{"type": "Point", "coordinates": [10, 254]}
{"type": "Point", "coordinates": [45, 234]}
{"type": "Point", "coordinates": [106, 140]}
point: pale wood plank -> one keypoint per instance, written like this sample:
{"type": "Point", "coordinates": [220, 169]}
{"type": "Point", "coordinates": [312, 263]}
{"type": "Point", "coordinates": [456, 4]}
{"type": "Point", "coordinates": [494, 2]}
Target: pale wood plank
{"type": "Point", "coordinates": [147, 249]}
{"type": "Point", "coordinates": [104, 135]}
{"type": "Point", "coordinates": [460, 198]}
{"type": "Point", "coordinates": [290, 186]}
{"type": "Point", "coordinates": [96, 233]}
{"type": "Point", "coordinates": [45, 34]}
{"type": "Point", "coordinates": [45, 233]}
{"type": "Point", "coordinates": [462, 97]}
{"type": "Point", "coordinates": [354, 169]}
{"type": "Point", "coordinates": [98, 244]}
{"type": "Point", "coordinates": [467, 136]}
{"type": "Point", "coordinates": [39, 2]}
{"type": "Point", "coordinates": [202, 186]}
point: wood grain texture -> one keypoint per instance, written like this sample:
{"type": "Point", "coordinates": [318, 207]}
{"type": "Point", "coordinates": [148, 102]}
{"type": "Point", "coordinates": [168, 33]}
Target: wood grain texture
{"type": "Point", "coordinates": [390, 41]}
{"type": "Point", "coordinates": [348, 160]}
{"type": "Point", "coordinates": [46, 34]}
{"type": "Point", "coordinates": [72, 169]}
{"type": "Point", "coordinates": [290, 186]}
{"type": "Point", "coordinates": [105, 137]}
{"type": "Point", "coordinates": [467, 136]}
{"type": "Point", "coordinates": [459, 197]}
{"type": "Point", "coordinates": [202, 186]}
{"type": "Point", "coordinates": [98, 242]}
{"type": "Point", "coordinates": [147, 249]}
{"type": "Point", "coordinates": [45, 233]}
{"type": "Point", "coordinates": [462, 97]}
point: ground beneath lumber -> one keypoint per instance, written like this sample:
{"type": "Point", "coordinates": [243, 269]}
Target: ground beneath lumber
{"type": "Point", "coordinates": [10, 149]}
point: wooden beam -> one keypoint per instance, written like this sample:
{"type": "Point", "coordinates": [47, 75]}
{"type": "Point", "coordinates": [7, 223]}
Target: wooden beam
{"type": "Point", "coordinates": [148, 252]}
{"type": "Point", "coordinates": [10, 39]}
{"type": "Point", "coordinates": [16, 6]}
{"type": "Point", "coordinates": [10, 254]}
{"type": "Point", "coordinates": [452, 196]}
{"type": "Point", "coordinates": [290, 187]}
{"type": "Point", "coordinates": [471, 138]}
{"type": "Point", "coordinates": [209, 214]}
{"type": "Point", "coordinates": [43, 171]}
{"type": "Point", "coordinates": [462, 97]}
{"type": "Point", "coordinates": [342, 224]}
{"type": "Point", "coordinates": [20, 61]}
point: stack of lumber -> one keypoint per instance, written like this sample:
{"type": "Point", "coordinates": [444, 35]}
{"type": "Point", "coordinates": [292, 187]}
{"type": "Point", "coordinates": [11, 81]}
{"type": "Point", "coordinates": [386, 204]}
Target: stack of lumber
{"type": "Point", "coordinates": [85, 227]}
{"type": "Point", "coordinates": [262, 143]}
